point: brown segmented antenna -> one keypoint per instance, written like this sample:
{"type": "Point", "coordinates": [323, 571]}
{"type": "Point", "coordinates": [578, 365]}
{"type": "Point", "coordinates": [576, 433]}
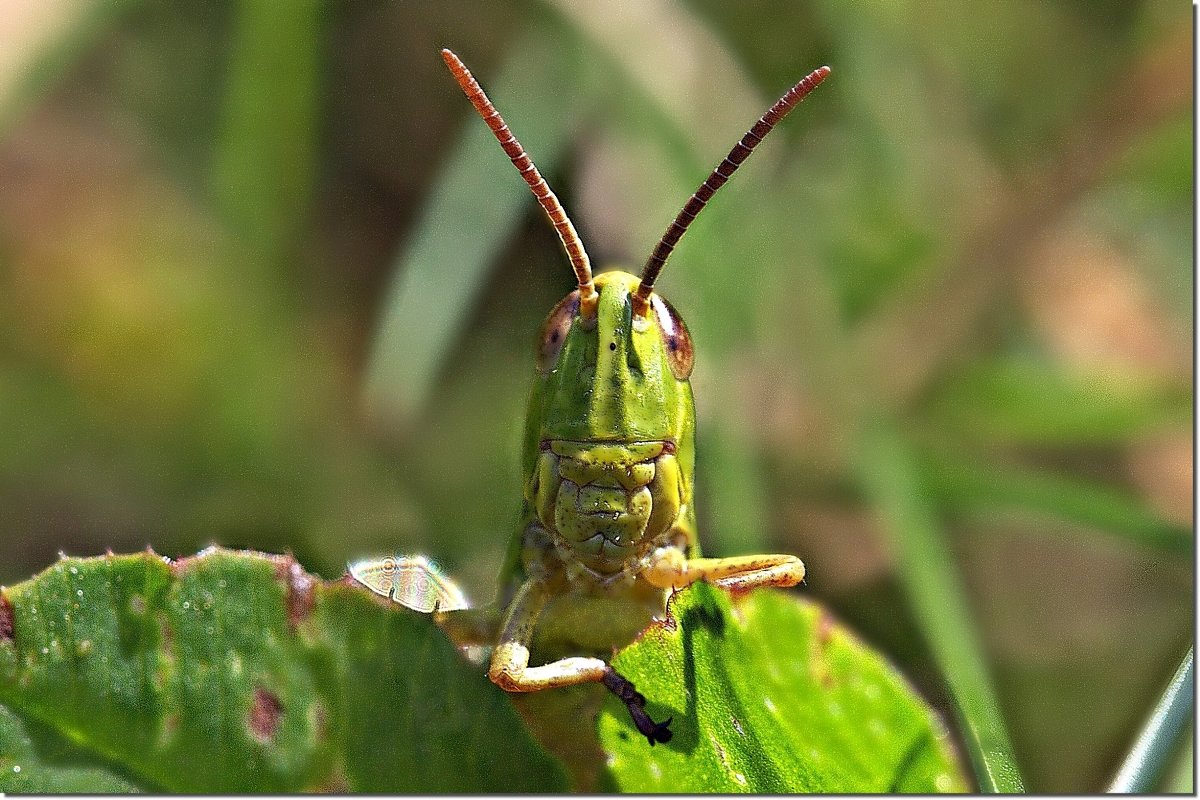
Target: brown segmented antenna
{"type": "Point", "coordinates": [739, 153]}
{"type": "Point", "coordinates": [512, 148]}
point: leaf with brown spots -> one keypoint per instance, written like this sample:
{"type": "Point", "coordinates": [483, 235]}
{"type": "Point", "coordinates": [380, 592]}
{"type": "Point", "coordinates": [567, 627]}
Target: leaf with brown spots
{"type": "Point", "coordinates": [240, 672]}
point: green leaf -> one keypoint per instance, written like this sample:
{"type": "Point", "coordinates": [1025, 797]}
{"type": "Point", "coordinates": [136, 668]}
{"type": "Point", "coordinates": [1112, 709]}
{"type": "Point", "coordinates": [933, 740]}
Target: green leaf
{"type": "Point", "coordinates": [33, 758]}
{"type": "Point", "coordinates": [769, 695]}
{"type": "Point", "coordinates": [238, 672]}
{"type": "Point", "coordinates": [890, 475]}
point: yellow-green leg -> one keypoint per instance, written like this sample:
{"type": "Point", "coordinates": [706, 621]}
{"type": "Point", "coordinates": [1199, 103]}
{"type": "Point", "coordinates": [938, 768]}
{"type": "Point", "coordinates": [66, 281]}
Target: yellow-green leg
{"type": "Point", "coordinates": [671, 569]}
{"type": "Point", "coordinates": [510, 668]}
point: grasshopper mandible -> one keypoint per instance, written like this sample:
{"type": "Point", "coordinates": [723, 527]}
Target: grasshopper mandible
{"type": "Point", "coordinates": [608, 523]}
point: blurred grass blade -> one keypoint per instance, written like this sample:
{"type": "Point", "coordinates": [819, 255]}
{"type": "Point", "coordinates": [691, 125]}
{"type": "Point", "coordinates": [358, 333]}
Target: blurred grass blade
{"type": "Point", "coordinates": [733, 486]}
{"type": "Point", "coordinates": [1159, 741]}
{"type": "Point", "coordinates": [266, 156]}
{"type": "Point", "coordinates": [891, 479]}
{"type": "Point", "coordinates": [43, 41]}
{"type": "Point", "coordinates": [1018, 400]}
{"type": "Point", "coordinates": [973, 485]}
{"type": "Point", "coordinates": [476, 203]}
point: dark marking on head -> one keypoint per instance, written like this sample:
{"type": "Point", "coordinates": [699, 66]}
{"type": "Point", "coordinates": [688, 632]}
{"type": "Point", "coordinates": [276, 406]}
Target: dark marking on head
{"type": "Point", "coordinates": [681, 354]}
{"type": "Point", "coordinates": [612, 345]}
{"type": "Point", "coordinates": [300, 589]}
{"type": "Point", "coordinates": [554, 332]}
{"type": "Point", "coordinates": [265, 714]}
{"type": "Point", "coordinates": [7, 626]}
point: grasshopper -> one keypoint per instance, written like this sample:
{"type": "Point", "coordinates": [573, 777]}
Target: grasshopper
{"type": "Point", "coordinates": [608, 522]}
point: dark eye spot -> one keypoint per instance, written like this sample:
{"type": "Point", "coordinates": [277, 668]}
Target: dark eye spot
{"type": "Point", "coordinates": [676, 339]}
{"type": "Point", "coordinates": [612, 345]}
{"type": "Point", "coordinates": [555, 330]}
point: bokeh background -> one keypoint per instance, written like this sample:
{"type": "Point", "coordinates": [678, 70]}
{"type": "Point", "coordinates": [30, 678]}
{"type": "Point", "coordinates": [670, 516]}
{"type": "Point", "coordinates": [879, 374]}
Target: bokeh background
{"type": "Point", "coordinates": [266, 281]}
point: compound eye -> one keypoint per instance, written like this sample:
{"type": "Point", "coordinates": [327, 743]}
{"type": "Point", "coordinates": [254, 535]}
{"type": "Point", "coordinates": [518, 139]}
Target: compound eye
{"type": "Point", "coordinates": [680, 355]}
{"type": "Point", "coordinates": [554, 331]}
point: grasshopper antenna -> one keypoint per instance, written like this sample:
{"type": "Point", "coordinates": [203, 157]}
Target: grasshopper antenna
{"type": "Point", "coordinates": [739, 153]}
{"type": "Point", "coordinates": [512, 148]}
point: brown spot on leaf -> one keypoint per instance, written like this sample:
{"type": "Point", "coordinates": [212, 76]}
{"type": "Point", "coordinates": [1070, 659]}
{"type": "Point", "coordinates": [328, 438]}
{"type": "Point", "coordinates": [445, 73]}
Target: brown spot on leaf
{"type": "Point", "coordinates": [6, 618]}
{"type": "Point", "coordinates": [170, 727]}
{"type": "Point", "coordinates": [264, 715]}
{"type": "Point", "coordinates": [825, 625]}
{"type": "Point", "coordinates": [299, 584]}
{"type": "Point", "coordinates": [322, 721]}
{"type": "Point", "coordinates": [167, 633]}
{"type": "Point", "coordinates": [335, 783]}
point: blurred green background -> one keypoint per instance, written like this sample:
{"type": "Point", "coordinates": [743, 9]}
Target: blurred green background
{"type": "Point", "coordinates": [266, 281]}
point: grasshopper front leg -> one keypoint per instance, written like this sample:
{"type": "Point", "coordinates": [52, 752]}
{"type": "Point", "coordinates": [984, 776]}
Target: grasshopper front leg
{"type": "Point", "coordinates": [671, 569]}
{"type": "Point", "coordinates": [510, 668]}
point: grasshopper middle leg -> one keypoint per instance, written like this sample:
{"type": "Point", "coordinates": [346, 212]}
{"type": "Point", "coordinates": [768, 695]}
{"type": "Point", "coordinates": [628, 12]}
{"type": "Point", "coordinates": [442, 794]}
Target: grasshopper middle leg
{"type": "Point", "coordinates": [510, 668]}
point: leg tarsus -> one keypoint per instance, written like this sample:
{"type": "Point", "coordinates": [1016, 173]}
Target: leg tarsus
{"type": "Point", "coordinates": [619, 685]}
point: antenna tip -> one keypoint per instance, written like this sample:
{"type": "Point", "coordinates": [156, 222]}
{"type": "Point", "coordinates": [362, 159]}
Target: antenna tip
{"type": "Point", "coordinates": [449, 57]}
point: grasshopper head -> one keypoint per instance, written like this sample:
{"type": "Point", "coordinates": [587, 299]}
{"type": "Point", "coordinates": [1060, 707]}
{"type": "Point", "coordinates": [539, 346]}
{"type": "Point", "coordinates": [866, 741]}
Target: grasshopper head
{"type": "Point", "coordinates": [613, 374]}
{"type": "Point", "coordinates": [609, 437]}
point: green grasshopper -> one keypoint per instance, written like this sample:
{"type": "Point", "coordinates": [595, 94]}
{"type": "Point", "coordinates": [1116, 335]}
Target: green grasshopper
{"type": "Point", "coordinates": [608, 522]}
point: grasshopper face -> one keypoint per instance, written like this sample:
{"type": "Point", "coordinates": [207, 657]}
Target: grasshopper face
{"type": "Point", "coordinates": [609, 439]}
